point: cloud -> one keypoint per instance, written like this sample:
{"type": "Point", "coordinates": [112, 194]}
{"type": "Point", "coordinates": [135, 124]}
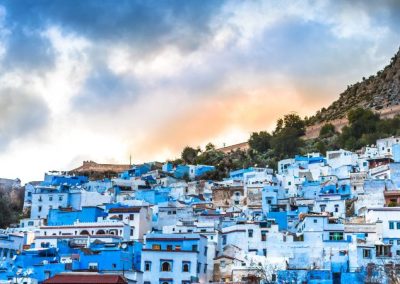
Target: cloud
{"type": "Point", "coordinates": [145, 24]}
{"type": "Point", "coordinates": [21, 115]}
{"type": "Point", "coordinates": [27, 50]}
{"type": "Point", "coordinates": [105, 90]}
{"type": "Point", "coordinates": [103, 79]}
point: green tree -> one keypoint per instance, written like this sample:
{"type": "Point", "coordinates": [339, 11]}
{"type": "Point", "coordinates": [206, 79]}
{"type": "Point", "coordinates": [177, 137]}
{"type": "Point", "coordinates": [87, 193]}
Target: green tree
{"type": "Point", "coordinates": [287, 143]}
{"type": "Point", "coordinates": [362, 121]}
{"type": "Point", "coordinates": [210, 147]}
{"type": "Point", "coordinates": [293, 120]}
{"type": "Point", "coordinates": [279, 126]}
{"type": "Point", "coordinates": [260, 141]}
{"type": "Point", "coordinates": [327, 130]}
{"type": "Point", "coordinates": [362, 129]}
{"type": "Point", "coordinates": [189, 154]}
{"type": "Point", "coordinates": [6, 214]}
{"type": "Point", "coordinates": [321, 148]}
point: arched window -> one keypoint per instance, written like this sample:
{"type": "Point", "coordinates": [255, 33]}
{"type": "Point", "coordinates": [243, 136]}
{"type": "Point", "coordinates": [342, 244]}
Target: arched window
{"type": "Point", "coordinates": [166, 266]}
{"type": "Point", "coordinates": [100, 232]}
{"type": "Point", "coordinates": [186, 266]}
{"type": "Point", "coordinates": [85, 232]}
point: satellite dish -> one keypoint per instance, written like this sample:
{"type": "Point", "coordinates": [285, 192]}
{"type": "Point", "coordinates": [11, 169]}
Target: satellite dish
{"type": "Point", "coordinates": [124, 245]}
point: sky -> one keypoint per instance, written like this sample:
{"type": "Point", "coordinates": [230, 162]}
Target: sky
{"type": "Point", "coordinates": [106, 80]}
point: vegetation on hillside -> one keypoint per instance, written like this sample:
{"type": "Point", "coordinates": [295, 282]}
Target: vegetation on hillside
{"type": "Point", "coordinates": [266, 149]}
{"type": "Point", "coordinates": [11, 202]}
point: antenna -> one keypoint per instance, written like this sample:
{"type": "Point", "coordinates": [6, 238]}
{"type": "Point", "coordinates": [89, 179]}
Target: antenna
{"type": "Point", "coordinates": [130, 159]}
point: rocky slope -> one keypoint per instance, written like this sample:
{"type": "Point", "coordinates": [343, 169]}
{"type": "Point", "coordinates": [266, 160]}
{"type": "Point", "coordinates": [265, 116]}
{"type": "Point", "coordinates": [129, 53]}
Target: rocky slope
{"type": "Point", "coordinates": [376, 92]}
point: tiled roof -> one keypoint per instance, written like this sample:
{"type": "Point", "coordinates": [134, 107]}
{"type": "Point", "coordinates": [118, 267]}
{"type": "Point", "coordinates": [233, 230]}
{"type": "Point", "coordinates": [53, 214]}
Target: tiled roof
{"type": "Point", "coordinates": [85, 279]}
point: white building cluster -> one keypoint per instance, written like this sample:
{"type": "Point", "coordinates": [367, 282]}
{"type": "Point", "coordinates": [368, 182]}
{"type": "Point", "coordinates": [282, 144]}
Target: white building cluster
{"type": "Point", "coordinates": [317, 219]}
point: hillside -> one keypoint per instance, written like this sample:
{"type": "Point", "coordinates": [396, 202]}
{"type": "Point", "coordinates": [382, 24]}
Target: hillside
{"type": "Point", "coordinates": [11, 201]}
{"type": "Point", "coordinates": [376, 92]}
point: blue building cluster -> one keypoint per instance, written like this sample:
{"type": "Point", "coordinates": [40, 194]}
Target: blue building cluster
{"type": "Point", "coordinates": [316, 219]}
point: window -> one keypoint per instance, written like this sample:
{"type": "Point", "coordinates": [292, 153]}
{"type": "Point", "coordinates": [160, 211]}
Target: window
{"type": "Point", "coordinates": [398, 225]}
{"type": "Point", "coordinates": [205, 251]}
{"type": "Point", "coordinates": [194, 248]}
{"type": "Point", "coordinates": [250, 233]}
{"type": "Point", "coordinates": [265, 252]}
{"type": "Point", "coordinates": [391, 242]}
{"type": "Point", "coordinates": [169, 247]}
{"type": "Point", "coordinates": [185, 266]}
{"type": "Point", "coordinates": [366, 253]}
{"type": "Point", "coordinates": [131, 217]}
{"type": "Point", "coordinates": [398, 252]}
{"type": "Point", "coordinates": [50, 198]}
{"type": "Point", "coordinates": [198, 267]}
{"type": "Point", "coordinates": [156, 247]}
{"type": "Point", "coordinates": [391, 225]}
{"type": "Point", "coordinates": [60, 198]}
{"type": "Point", "coordinates": [205, 268]}
{"type": "Point", "coordinates": [178, 248]}
{"type": "Point", "coordinates": [335, 236]}
{"type": "Point", "coordinates": [236, 202]}
{"type": "Point", "coordinates": [383, 251]}
{"type": "Point", "coordinates": [315, 220]}
{"type": "Point", "coordinates": [40, 208]}
{"type": "Point", "coordinates": [146, 282]}
{"type": "Point", "coordinates": [147, 266]}
{"type": "Point", "coordinates": [166, 265]}
{"type": "Point", "coordinates": [398, 242]}
{"type": "Point", "coordinates": [224, 240]}
{"type": "Point", "coordinates": [93, 265]}
{"type": "Point", "coordinates": [263, 236]}
{"type": "Point", "coordinates": [222, 264]}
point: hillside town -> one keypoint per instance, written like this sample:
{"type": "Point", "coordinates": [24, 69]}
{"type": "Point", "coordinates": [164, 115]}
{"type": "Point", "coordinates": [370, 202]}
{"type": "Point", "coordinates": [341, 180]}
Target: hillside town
{"type": "Point", "coordinates": [316, 219]}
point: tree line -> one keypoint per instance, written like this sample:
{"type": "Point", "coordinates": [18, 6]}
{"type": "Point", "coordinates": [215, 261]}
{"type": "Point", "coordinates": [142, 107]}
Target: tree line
{"type": "Point", "coordinates": [286, 140]}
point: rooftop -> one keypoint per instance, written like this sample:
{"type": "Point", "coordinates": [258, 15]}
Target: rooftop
{"type": "Point", "coordinates": [90, 278]}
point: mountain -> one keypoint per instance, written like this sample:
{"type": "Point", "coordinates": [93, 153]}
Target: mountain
{"type": "Point", "coordinates": [376, 92]}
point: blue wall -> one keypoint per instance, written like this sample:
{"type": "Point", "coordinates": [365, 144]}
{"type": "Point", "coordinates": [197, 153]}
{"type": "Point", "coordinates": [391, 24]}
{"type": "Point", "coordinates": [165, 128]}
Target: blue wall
{"type": "Point", "coordinates": [87, 214]}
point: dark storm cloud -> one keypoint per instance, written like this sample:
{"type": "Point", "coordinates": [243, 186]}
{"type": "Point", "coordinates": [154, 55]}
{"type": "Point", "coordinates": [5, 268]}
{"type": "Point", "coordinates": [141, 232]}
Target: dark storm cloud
{"type": "Point", "coordinates": [21, 114]}
{"type": "Point", "coordinates": [144, 27]}
{"type": "Point", "coordinates": [144, 24]}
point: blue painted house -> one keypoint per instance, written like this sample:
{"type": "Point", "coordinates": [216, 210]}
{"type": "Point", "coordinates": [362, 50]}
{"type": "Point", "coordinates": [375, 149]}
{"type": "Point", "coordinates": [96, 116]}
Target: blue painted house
{"type": "Point", "coordinates": [62, 217]}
